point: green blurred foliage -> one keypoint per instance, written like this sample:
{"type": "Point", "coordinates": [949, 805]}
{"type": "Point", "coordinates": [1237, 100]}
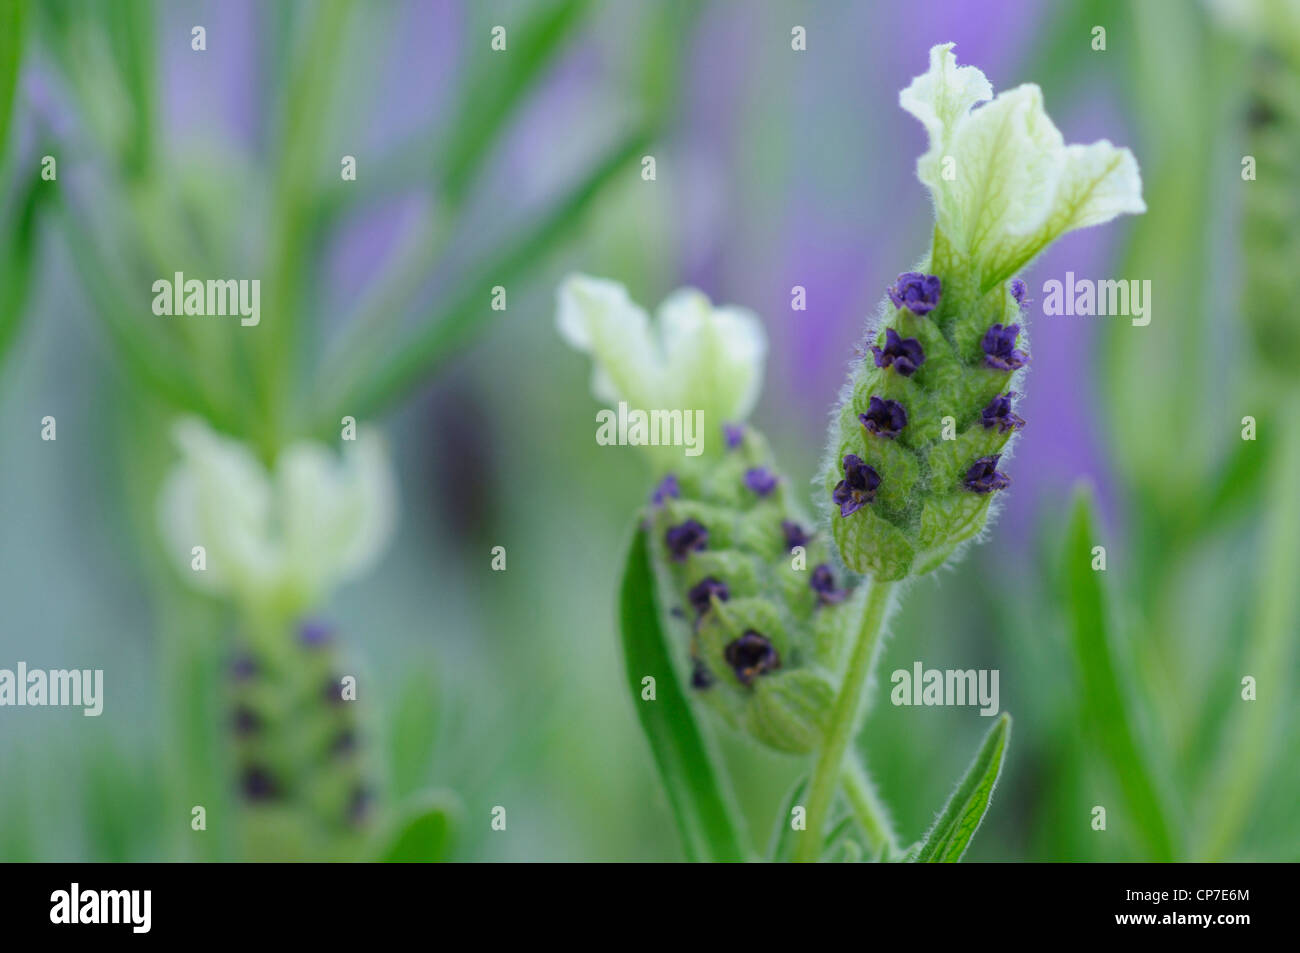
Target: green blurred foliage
{"type": "Point", "coordinates": [507, 687]}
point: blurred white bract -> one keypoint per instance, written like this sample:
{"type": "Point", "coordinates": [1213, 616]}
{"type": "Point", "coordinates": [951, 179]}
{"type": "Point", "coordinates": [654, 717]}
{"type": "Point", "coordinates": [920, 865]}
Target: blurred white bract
{"type": "Point", "coordinates": [276, 541]}
{"type": "Point", "coordinates": [693, 357]}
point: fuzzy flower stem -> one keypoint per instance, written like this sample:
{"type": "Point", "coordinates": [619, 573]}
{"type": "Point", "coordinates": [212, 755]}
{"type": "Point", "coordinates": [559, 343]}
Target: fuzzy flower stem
{"type": "Point", "coordinates": [872, 816]}
{"type": "Point", "coordinates": [844, 719]}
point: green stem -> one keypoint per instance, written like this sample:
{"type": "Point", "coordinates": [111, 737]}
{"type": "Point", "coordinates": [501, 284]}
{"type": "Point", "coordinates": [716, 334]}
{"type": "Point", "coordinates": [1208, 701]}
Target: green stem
{"type": "Point", "coordinates": [872, 815]}
{"type": "Point", "coordinates": [844, 720]}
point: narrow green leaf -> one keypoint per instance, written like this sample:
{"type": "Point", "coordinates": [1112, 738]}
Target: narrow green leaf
{"type": "Point", "coordinates": [413, 734]}
{"type": "Point", "coordinates": [701, 809]}
{"type": "Point", "coordinates": [495, 89]}
{"type": "Point", "coordinates": [11, 55]}
{"type": "Point", "coordinates": [781, 845]}
{"type": "Point", "coordinates": [1258, 732]}
{"type": "Point", "coordinates": [423, 832]}
{"type": "Point", "coordinates": [16, 265]}
{"type": "Point", "coordinates": [1236, 486]}
{"type": "Point", "coordinates": [839, 845]}
{"type": "Point", "coordinates": [129, 26]}
{"type": "Point", "coordinates": [465, 312]}
{"type": "Point", "coordinates": [1106, 704]}
{"type": "Point", "coordinates": [152, 359]}
{"type": "Point", "coordinates": [946, 842]}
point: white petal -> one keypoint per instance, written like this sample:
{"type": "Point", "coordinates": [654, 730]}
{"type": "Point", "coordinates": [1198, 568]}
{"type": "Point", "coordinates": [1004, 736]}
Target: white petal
{"type": "Point", "coordinates": [220, 498]}
{"type": "Point", "coordinates": [694, 357]}
{"type": "Point", "coordinates": [715, 356]}
{"type": "Point", "coordinates": [597, 317]}
{"type": "Point", "coordinates": [1004, 183]}
{"type": "Point", "coordinates": [337, 515]}
{"type": "Point", "coordinates": [321, 522]}
{"type": "Point", "coordinates": [940, 98]}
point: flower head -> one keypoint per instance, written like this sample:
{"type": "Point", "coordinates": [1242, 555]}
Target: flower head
{"type": "Point", "coordinates": [668, 488]}
{"type": "Point", "coordinates": [1018, 291]}
{"type": "Point", "coordinates": [701, 677]}
{"type": "Point", "coordinates": [287, 535]}
{"type": "Point", "coordinates": [694, 356]}
{"type": "Point", "coordinates": [884, 418]}
{"type": "Point", "coordinates": [998, 414]}
{"type": "Point", "coordinates": [904, 355]}
{"type": "Point", "coordinates": [686, 538]}
{"type": "Point", "coordinates": [733, 435]}
{"type": "Point", "coordinates": [705, 591]}
{"type": "Point", "coordinates": [1012, 186]}
{"type": "Point", "coordinates": [794, 535]}
{"type": "Point", "coordinates": [858, 487]}
{"type": "Point", "coordinates": [983, 475]}
{"type": "Point", "coordinates": [314, 634]}
{"type": "Point", "coordinates": [760, 480]}
{"type": "Point", "coordinates": [1000, 350]}
{"type": "Point", "coordinates": [1004, 185]}
{"type": "Point", "coordinates": [822, 582]}
{"type": "Point", "coordinates": [258, 785]}
{"type": "Point", "coordinates": [752, 655]}
{"type": "Point", "coordinates": [917, 292]}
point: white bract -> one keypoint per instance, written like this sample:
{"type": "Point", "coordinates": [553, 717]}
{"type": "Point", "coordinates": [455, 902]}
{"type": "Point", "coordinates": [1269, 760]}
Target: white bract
{"type": "Point", "coordinates": [280, 540]}
{"type": "Point", "coordinates": [1004, 183]}
{"type": "Point", "coordinates": [692, 357]}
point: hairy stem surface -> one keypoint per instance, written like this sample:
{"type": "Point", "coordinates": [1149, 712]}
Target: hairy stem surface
{"type": "Point", "coordinates": [871, 814]}
{"type": "Point", "coordinates": [844, 719]}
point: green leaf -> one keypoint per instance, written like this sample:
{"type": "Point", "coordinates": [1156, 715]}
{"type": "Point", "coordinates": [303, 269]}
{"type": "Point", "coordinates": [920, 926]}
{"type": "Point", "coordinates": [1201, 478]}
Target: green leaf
{"type": "Point", "coordinates": [1106, 704]}
{"type": "Point", "coordinates": [16, 265]}
{"type": "Point", "coordinates": [700, 807]}
{"type": "Point", "coordinates": [946, 842]}
{"type": "Point", "coordinates": [1237, 485]}
{"type": "Point", "coordinates": [839, 846]}
{"type": "Point", "coordinates": [465, 310]}
{"type": "Point", "coordinates": [129, 26]}
{"type": "Point", "coordinates": [422, 834]}
{"type": "Point", "coordinates": [782, 844]}
{"type": "Point", "coordinates": [413, 734]}
{"type": "Point", "coordinates": [153, 360]}
{"type": "Point", "coordinates": [11, 54]}
{"type": "Point", "coordinates": [495, 89]}
{"type": "Point", "coordinates": [1256, 732]}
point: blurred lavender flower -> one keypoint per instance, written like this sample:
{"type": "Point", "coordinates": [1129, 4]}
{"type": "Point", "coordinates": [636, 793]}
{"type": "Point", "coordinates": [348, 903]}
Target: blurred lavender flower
{"type": "Point", "coordinates": [277, 540]}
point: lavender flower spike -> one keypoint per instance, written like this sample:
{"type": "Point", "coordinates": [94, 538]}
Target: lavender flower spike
{"type": "Point", "coordinates": [1004, 185]}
